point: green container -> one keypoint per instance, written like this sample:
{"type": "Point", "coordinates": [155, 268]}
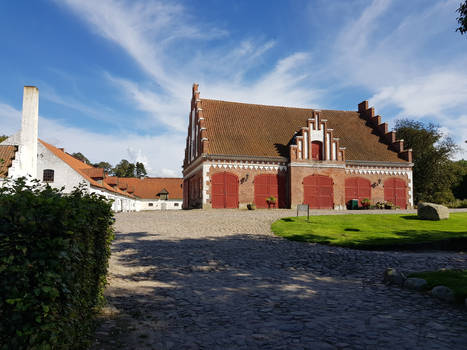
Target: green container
{"type": "Point", "coordinates": [353, 204]}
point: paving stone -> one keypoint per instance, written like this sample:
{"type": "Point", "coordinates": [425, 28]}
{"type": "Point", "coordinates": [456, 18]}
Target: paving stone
{"type": "Point", "coordinates": [220, 279]}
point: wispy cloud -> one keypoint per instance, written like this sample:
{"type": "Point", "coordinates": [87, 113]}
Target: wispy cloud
{"type": "Point", "coordinates": [390, 62]}
{"type": "Point", "coordinates": [160, 154]}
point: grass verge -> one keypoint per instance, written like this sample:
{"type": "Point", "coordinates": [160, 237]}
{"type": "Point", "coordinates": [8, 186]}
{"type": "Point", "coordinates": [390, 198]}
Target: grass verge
{"type": "Point", "coordinates": [454, 279]}
{"type": "Point", "coordinates": [385, 231]}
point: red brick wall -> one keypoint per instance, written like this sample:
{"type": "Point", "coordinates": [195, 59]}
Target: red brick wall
{"type": "Point", "coordinates": [193, 191]}
{"type": "Point", "coordinates": [297, 174]}
{"type": "Point", "coordinates": [246, 188]}
{"type": "Point", "coordinates": [294, 192]}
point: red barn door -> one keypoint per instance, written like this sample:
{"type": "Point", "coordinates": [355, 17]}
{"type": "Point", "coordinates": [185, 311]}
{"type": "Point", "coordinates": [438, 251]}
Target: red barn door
{"type": "Point", "coordinates": [224, 190]}
{"type": "Point", "coordinates": [395, 191]}
{"type": "Point", "coordinates": [267, 185]}
{"type": "Point", "coordinates": [357, 188]}
{"type": "Point", "coordinates": [318, 192]}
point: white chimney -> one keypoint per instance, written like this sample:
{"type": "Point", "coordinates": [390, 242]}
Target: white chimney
{"type": "Point", "coordinates": [28, 135]}
{"type": "Point", "coordinates": [25, 162]}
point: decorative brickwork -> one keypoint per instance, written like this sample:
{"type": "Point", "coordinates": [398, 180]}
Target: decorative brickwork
{"type": "Point", "coordinates": [388, 137]}
{"type": "Point", "coordinates": [298, 155]}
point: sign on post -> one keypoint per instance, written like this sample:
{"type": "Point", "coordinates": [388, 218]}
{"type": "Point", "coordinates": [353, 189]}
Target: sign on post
{"type": "Point", "coordinates": [304, 208]}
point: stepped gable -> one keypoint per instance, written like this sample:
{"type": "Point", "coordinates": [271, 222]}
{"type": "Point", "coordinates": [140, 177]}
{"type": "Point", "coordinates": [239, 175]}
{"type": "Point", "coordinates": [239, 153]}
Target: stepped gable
{"type": "Point", "coordinates": [381, 129]}
{"type": "Point", "coordinates": [7, 154]}
{"type": "Point", "coordinates": [242, 129]}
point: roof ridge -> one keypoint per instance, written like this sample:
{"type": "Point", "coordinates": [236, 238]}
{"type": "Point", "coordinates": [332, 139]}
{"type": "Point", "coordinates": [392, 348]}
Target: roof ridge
{"type": "Point", "coordinates": [277, 106]}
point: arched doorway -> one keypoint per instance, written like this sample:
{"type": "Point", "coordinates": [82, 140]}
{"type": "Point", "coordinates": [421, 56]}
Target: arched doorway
{"type": "Point", "coordinates": [318, 192]}
{"type": "Point", "coordinates": [267, 185]}
{"type": "Point", "coordinates": [357, 188]}
{"type": "Point", "coordinates": [224, 190]}
{"type": "Point", "coordinates": [317, 150]}
{"type": "Point", "coordinates": [395, 191]}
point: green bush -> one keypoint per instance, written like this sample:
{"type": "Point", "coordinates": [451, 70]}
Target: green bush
{"type": "Point", "coordinates": [54, 251]}
{"type": "Point", "coordinates": [458, 203]}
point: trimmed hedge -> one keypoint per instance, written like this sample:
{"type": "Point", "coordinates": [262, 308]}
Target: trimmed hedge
{"type": "Point", "coordinates": [54, 251]}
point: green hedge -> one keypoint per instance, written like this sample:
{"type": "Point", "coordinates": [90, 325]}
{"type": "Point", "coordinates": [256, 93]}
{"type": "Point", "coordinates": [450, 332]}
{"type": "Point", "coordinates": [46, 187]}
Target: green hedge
{"type": "Point", "coordinates": [54, 251]}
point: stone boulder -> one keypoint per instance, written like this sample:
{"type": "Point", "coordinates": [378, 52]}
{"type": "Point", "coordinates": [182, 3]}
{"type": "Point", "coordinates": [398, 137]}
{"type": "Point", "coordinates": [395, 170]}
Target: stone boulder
{"type": "Point", "coordinates": [443, 293]}
{"type": "Point", "coordinates": [415, 283]}
{"type": "Point", "coordinates": [392, 276]}
{"type": "Point", "coordinates": [430, 211]}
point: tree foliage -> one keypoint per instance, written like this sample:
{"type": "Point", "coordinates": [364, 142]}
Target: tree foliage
{"type": "Point", "coordinates": [459, 188]}
{"type": "Point", "coordinates": [140, 170]}
{"type": "Point", "coordinates": [433, 171]}
{"type": "Point", "coordinates": [462, 19]}
{"type": "Point", "coordinates": [104, 165]}
{"type": "Point", "coordinates": [127, 169]}
{"type": "Point", "coordinates": [80, 156]}
{"type": "Point", "coordinates": [3, 138]}
{"type": "Point", "coordinates": [54, 251]}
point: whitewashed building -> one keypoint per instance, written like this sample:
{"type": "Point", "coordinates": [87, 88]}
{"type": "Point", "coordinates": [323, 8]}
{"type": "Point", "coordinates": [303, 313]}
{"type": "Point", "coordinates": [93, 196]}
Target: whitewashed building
{"type": "Point", "coordinates": [24, 154]}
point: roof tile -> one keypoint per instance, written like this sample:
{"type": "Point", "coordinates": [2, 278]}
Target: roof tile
{"type": "Point", "coordinates": [266, 131]}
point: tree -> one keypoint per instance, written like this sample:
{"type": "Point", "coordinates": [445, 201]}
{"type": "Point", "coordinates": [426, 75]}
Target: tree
{"type": "Point", "coordinates": [3, 138]}
{"type": "Point", "coordinates": [105, 165]}
{"type": "Point", "coordinates": [433, 171]}
{"type": "Point", "coordinates": [140, 170]}
{"type": "Point", "coordinates": [462, 19]}
{"type": "Point", "coordinates": [80, 156]}
{"type": "Point", "coordinates": [459, 188]}
{"type": "Point", "coordinates": [124, 169]}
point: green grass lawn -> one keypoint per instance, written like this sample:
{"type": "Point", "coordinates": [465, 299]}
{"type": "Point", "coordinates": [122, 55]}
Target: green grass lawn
{"type": "Point", "coordinates": [372, 231]}
{"type": "Point", "coordinates": [454, 279]}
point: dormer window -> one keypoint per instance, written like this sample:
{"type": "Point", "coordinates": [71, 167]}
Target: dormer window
{"type": "Point", "coordinates": [163, 195]}
{"type": "Point", "coordinates": [48, 175]}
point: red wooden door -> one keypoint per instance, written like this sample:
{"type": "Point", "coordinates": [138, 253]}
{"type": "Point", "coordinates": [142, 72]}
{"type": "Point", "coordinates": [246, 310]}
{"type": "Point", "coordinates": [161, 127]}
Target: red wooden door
{"type": "Point", "coordinates": [267, 185]}
{"type": "Point", "coordinates": [316, 150]}
{"type": "Point", "coordinates": [224, 190]}
{"type": "Point", "coordinates": [318, 192]}
{"type": "Point", "coordinates": [357, 188]}
{"type": "Point", "coordinates": [395, 191]}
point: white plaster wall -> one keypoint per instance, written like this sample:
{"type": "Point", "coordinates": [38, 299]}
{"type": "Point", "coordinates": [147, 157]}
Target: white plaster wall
{"type": "Point", "coordinates": [170, 204]}
{"type": "Point", "coordinates": [317, 135]}
{"type": "Point", "coordinates": [64, 175]}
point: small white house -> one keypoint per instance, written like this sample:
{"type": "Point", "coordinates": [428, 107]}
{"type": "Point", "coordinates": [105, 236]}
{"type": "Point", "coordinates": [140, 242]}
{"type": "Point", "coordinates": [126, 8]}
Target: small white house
{"type": "Point", "coordinates": [23, 154]}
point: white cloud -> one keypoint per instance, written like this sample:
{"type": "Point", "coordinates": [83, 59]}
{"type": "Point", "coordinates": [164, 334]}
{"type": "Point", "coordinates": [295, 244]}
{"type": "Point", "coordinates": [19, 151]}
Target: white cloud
{"type": "Point", "coordinates": [389, 61]}
{"type": "Point", "coordinates": [156, 152]}
{"type": "Point", "coordinates": [160, 154]}
{"type": "Point", "coordinates": [11, 119]}
{"type": "Point", "coordinates": [430, 95]}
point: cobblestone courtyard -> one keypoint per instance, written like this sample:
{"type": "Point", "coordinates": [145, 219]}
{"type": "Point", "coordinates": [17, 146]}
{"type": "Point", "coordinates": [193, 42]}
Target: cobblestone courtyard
{"type": "Point", "coordinates": [220, 280]}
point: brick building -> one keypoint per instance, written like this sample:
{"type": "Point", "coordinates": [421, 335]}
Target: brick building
{"type": "Point", "coordinates": [238, 153]}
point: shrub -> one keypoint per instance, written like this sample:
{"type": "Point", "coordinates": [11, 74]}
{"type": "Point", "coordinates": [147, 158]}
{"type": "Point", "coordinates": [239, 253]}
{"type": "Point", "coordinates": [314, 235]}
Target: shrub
{"type": "Point", "coordinates": [54, 251]}
{"type": "Point", "coordinates": [458, 203]}
{"type": "Point", "coordinates": [366, 203]}
{"type": "Point", "coordinates": [380, 205]}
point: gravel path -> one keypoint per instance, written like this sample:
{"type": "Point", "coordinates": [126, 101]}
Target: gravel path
{"type": "Point", "coordinates": [220, 280]}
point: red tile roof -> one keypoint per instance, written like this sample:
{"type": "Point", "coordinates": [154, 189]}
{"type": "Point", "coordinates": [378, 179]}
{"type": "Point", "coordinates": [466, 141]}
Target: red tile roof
{"type": "Point", "coordinates": [7, 154]}
{"type": "Point", "coordinates": [95, 173]}
{"type": "Point", "coordinates": [83, 169]}
{"type": "Point", "coordinates": [265, 131]}
{"type": "Point", "coordinates": [149, 187]}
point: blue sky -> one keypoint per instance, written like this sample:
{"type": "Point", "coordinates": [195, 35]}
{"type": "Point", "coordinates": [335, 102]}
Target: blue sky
{"type": "Point", "coordinates": [115, 76]}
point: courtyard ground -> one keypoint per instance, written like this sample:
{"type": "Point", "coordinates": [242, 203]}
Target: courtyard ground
{"type": "Point", "coordinates": [220, 279]}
